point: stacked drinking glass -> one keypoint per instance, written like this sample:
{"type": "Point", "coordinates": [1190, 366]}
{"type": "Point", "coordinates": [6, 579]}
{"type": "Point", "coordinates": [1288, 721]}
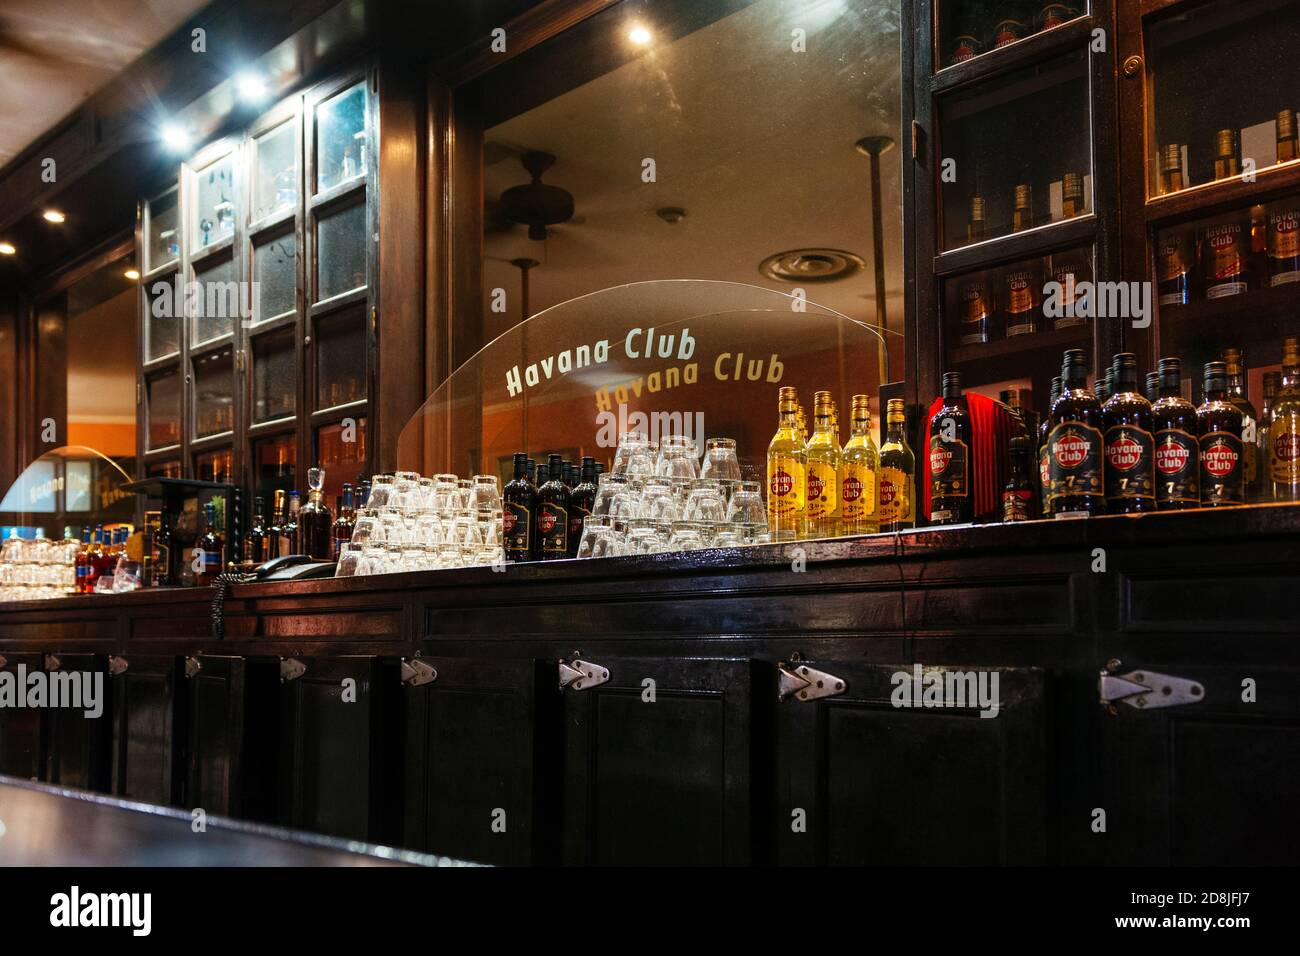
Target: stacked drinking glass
{"type": "Point", "coordinates": [411, 523]}
{"type": "Point", "coordinates": [661, 497]}
{"type": "Point", "coordinates": [37, 568]}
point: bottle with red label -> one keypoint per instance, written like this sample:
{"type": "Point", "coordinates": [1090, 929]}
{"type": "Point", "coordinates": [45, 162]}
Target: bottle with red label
{"type": "Point", "coordinates": [519, 499]}
{"type": "Point", "coordinates": [1178, 455]}
{"type": "Point", "coordinates": [1044, 466]}
{"type": "Point", "coordinates": [1130, 444]}
{"type": "Point", "coordinates": [553, 512]}
{"type": "Point", "coordinates": [951, 500]}
{"type": "Point", "coordinates": [1225, 259]}
{"type": "Point", "coordinates": [1223, 460]}
{"type": "Point", "coordinates": [582, 499]}
{"type": "Point", "coordinates": [1019, 502]}
{"type": "Point", "coordinates": [1284, 243]}
{"type": "Point", "coordinates": [1075, 444]}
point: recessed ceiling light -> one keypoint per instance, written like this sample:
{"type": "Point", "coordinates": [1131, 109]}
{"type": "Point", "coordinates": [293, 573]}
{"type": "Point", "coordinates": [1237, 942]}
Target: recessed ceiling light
{"type": "Point", "coordinates": [132, 274]}
{"type": "Point", "coordinates": [639, 35]}
{"type": "Point", "coordinates": [175, 137]}
{"type": "Point", "coordinates": [53, 215]}
{"type": "Point", "coordinates": [250, 87]}
{"type": "Point", "coordinates": [7, 249]}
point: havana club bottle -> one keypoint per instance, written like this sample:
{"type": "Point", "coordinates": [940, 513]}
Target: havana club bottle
{"type": "Point", "coordinates": [1171, 168]}
{"type": "Point", "coordinates": [553, 512]}
{"type": "Point", "coordinates": [897, 472]}
{"type": "Point", "coordinates": [1075, 444]}
{"type": "Point", "coordinates": [976, 310]}
{"type": "Point", "coordinates": [787, 465]}
{"type": "Point", "coordinates": [1072, 195]}
{"type": "Point", "coordinates": [1070, 270]}
{"type": "Point", "coordinates": [977, 226]}
{"type": "Point", "coordinates": [1272, 385]}
{"type": "Point", "coordinates": [1287, 149]}
{"type": "Point", "coordinates": [1236, 369]}
{"type": "Point", "coordinates": [1223, 464]}
{"type": "Point", "coordinates": [1044, 450]}
{"type": "Point", "coordinates": [582, 499]}
{"type": "Point", "coordinates": [289, 533]}
{"type": "Point", "coordinates": [1284, 243]}
{"type": "Point", "coordinates": [822, 454]}
{"type": "Point", "coordinates": [859, 473]}
{"type": "Point", "coordinates": [1178, 456]}
{"type": "Point", "coordinates": [1019, 500]}
{"type": "Point", "coordinates": [1284, 428]}
{"type": "Point", "coordinates": [951, 457]}
{"type": "Point", "coordinates": [1226, 164]}
{"type": "Point", "coordinates": [1225, 259]}
{"type": "Point", "coordinates": [1151, 388]}
{"type": "Point", "coordinates": [1130, 444]}
{"type": "Point", "coordinates": [520, 500]}
{"type": "Point", "coordinates": [345, 519]}
{"type": "Point", "coordinates": [276, 545]}
{"type": "Point", "coordinates": [1175, 257]}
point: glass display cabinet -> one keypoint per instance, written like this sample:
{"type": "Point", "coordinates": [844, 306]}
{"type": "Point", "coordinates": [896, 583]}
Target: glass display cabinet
{"type": "Point", "coordinates": [256, 305]}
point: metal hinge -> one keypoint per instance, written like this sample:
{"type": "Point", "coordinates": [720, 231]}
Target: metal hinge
{"type": "Point", "coordinates": [139, 393]}
{"type": "Point", "coordinates": [192, 667]}
{"type": "Point", "coordinates": [580, 675]}
{"type": "Point", "coordinates": [239, 361]}
{"type": "Point", "coordinates": [918, 136]}
{"type": "Point", "coordinates": [291, 669]}
{"type": "Point", "coordinates": [117, 665]}
{"type": "Point", "coordinates": [806, 683]}
{"type": "Point", "coordinates": [416, 672]}
{"type": "Point", "coordinates": [1145, 690]}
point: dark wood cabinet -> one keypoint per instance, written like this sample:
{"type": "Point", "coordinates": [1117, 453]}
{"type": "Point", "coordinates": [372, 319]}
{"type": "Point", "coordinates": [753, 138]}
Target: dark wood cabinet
{"type": "Point", "coordinates": [657, 763]}
{"type": "Point", "coordinates": [482, 756]}
{"type": "Point", "coordinates": [860, 780]}
{"type": "Point", "coordinates": [20, 727]}
{"type": "Point", "coordinates": [340, 758]}
{"type": "Point", "coordinates": [145, 740]}
{"type": "Point", "coordinates": [78, 750]}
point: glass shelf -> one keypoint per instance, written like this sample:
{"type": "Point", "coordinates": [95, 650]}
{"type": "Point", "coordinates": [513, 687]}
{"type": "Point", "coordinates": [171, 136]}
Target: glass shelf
{"type": "Point", "coordinates": [341, 138]}
{"type": "Point", "coordinates": [214, 203]}
{"type": "Point", "coordinates": [275, 171]}
{"type": "Point", "coordinates": [340, 359]}
{"type": "Point", "coordinates": [340, 250]}
{"type": "Point", "coordinates": [275, 365]}
{"type": "Point", "coordinates": [164, 397]}
{"type": "Point", "coordinates": [1016, 152]}
{"type": "Point", "coordinates": [969, 28]}
{"type": "Point", "coordinates": [214, 407]}
{"type": "Point", "coordinates": [1204, 128]}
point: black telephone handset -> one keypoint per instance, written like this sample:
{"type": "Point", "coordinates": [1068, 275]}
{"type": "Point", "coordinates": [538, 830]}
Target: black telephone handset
{"type": "Point", "coordinates": [268, 568]}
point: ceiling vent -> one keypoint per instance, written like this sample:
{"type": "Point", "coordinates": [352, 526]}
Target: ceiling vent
{"type": "Point", "coordinates": [810, 265]}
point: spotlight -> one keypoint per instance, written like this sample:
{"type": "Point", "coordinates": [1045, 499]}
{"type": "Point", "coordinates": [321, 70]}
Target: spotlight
{"type": "Point", "coordinates": [132, 274]}
{"type": "Point", "coordinates": [176, 138]}
{"type": "Point", "coordinates": [53, 215]}
{"type": "Point", "coordinates": [639, 35]}
{"type": "Point", "coordinates": [7, 249]}
{"type": "Point", "coordinates": [251, 89]}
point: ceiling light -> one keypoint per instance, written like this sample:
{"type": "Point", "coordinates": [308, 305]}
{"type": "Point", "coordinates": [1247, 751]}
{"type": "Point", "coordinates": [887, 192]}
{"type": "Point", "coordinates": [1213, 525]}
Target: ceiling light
{"type": "Point", "coordinates": [132, 274]}
{"type": "Point", "coordinates": [7, 249]}
{"type": "Point", "coordinates": [53, 215]}
{"type": "Point", "coordinates": [639, 35]}
{"type": "Point", "coordinates": [251, 89]}
{"type": "Point", "coordinates": [175, 137]}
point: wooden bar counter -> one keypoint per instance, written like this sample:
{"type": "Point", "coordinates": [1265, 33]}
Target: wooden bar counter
{"type": "Point", "coordinates": [721, 706]}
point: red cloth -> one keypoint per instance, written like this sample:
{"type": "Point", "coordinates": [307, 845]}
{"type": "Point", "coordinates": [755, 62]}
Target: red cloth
{"type": "Point", "coordinates": [992, 426]}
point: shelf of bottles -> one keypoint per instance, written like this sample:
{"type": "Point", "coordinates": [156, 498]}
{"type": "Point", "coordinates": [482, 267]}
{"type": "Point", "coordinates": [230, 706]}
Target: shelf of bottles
{"type": "Point", "coordinates": [969, 29]}
{"type": "Point", "coordinates": [267, 357]}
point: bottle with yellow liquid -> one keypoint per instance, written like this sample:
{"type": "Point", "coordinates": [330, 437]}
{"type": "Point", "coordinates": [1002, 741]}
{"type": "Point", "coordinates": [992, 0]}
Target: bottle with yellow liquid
{"type": "Point", "coordinates": [786, 472]}
{"type": "Point", "coordinates": [897, 506]}
{"type": "Point", "coordinates": [1284, 428]}
{"type": "Point", "coordinates": [859, 473]}
{"type": "Point", "coordinates": [822, 516]}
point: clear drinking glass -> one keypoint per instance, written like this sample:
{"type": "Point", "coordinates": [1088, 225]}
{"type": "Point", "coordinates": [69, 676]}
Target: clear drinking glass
{"type": "Point", "coordinates": [688, 536]}
{"type": "Point", "coordinates": [485, 494]}
{"type": "Point", "coordinates": [381, 491]}
{"type": "Point", "coordinates": [658, 501]}
{"type": "Point", "coordinates": [706, 502]}
{"type": "Point", "coordinates": [349, 558]}
{"type": "Point", "coordinates": [367, 528]}
{"type": "Point", "coordinates": [678, 458]}
{"type": "Point", "coordinates": [746, 505]}
{"type": "Point", "coordinates": [607, 487]}
{"type": "Point", "coordinates": [720, 459]}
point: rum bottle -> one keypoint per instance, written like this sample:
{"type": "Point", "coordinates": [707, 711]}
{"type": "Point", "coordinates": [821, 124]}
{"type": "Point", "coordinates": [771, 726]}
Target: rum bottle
{"type": "Point", "coordinates": [1019, 503]}
{"type": "Point", "coordinates": [1286, 136]}
{"type": "Point", "coordinates": [1177, 456]}
{"type": "Point", "coordinates": [897, 472]}
{"type": "Point", "coordinates": [859, 473]}
{"type": "Point", "coordinates": [1236, 370]}
{"type": "Point", "coordinates": [786, 471]}
{"type": "Point", "coordinates": [1284, 428]}
{"type": "Point", "coordinates": [1044, 455]}
{"type": "Point", "coordinates": [211, 548]}
{"type": "Point", "coordinates": [582, 499]}
{"type": "Point", "coordinates": [1284, 243]}
{"type": "Point", "coordinates": [519, 501]}
{"type": "Point", "coordinates": [553, 512]}
{"type": "Point", "coordinates": [1075, 444]}
{"type": "Point", "coordinates": [314, 519]}
{"type": "Point", "coordinates": [341, 530]}
{"type": "Point", "coordinates": [289, 533]}
{"type": "Point", "coordinates": [1219, 437]}
{"type": "Point", "coordinates": [822, 498]}
{"type": "Point", "coordinates": [951, 457]}
{"type": "Point", "coordinates": [255, 540]}
{"type": "Point", "coordinates": [1225, 154]}
{"type": "Point", "coordinates": [1225, 258]}
{"type": "Point", "coordinates": [1130, 444]}
{"type": "Point", "coordinates": [276, 545]}
{"type": "Point", "coordinates": [1272, 385]}
{"type": "Point", "coordinates": [82, 561]}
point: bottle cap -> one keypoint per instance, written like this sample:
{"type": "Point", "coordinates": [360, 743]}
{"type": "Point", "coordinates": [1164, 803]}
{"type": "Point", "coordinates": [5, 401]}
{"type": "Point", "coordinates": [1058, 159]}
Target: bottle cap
{"type": "Point", "coordinates": [896, 410]}
{"type": "Point", "coordinates": [1024, 196]}
{"type": "Point", "coordinates": [1072, 185]}
{"type": "Point", "coordinates": [1018, 443]}
{"type": "Point", "coordinates": [976, 209]}
{"type": "Point", "coordinates": [1171, 158]}
{"type": "Point", "coordinates": [1286, 124]}
{"type": "Point", "coordinates": [1216, 376]}
{"type": "Point", "coordinates": [951, 384]}
{"type": "Point", "coordinates": [1232, 361]}
{"type": "Point", "coordinates": [1225, 143]}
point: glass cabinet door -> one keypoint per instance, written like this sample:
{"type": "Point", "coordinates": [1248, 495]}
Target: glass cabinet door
{"type": "Point", "coordinates": [214, 405]}
{"type": "Point", "coordinates": [971, 28]}
{"type": "Point", "coordinates": [216, 305]}
{"type": "Point", "coordinates": [275, 171]}
{"type": "Point", "coordinates": [162, 241]}
{"type": "Point", "coordinates": [214, 204]}
{"type": "Point", "coordinates": [162, 322]}
{"type": "Point", "coordinates": [340, 343]}
{"type": "Point", "coordinates": [341, 138]}
{"type": "Point", "coordinates": [274, 467]}
{"type": "Point", "coordinates": [275, 375]}
{"type": "Point", "coordinates": [163, 394]}
{"type": "Point", "coordinates": [340, 250]}
{"type": "Point", "coordinates": [341, 451]}
{"type": "Point", "coordinates": [275, 272]}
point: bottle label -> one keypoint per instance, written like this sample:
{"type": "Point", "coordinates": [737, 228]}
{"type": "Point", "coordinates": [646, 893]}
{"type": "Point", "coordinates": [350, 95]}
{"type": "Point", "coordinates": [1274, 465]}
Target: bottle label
{"type": "Point", "coordinates": [786, 485]}
{"type": "Point", "coordinates": [858, 492]}
{"type": "Point", "coordinates": [577, 515]}
{"type": "Point", "coordinates": [1074, 461]}
{"type": "Point", "coordinates": [1129, 456]}
{"type": "Point", "coordinates": [1250, 448]}
{"type": "Point", "coordinates": [895, 496]}
{"type": "Point", "coordinates": [516, 527]}
{"type": "Point", "coordinates": [949, 463]}
{"type": "Point", "coordinates": [974, 314]}
{"type": "Point", "coordinates": [1284, 451]}
{"type": "Point", "coordinates": [823, 485]}
{"type": "Point", "coordinates": [211, 561]}
{"type": "Point", "coordinates": [1021, 302]}
{"type": "Point", "coordinates": [1284, 246]}
{"type": "Point", "coordinates": [1045, 468]}
{"type": "Point", "coordinates": [964, 50]}
{"type": "Point", "coordinates": [1222, 467]}
{"type": "Point", "coordinates": [1177, 466]}
{"type": "Point", "coordinates": [1016, 504]}
{"type": "Point", "coordinates": [1074, 305]}
{"type": "Point", "coordinates": [1225, 260]}
{"type": "Point", "coordinates": [552, 528]}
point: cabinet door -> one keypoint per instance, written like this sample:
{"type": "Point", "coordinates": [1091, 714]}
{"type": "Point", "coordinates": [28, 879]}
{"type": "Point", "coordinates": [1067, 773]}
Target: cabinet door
{"type": "Point", "coordinates": [340, 755]}
{"type": "Point", "coordinates": [20, 727]}
{"type": "Point", "coordinates": [861, 781]}
{"type": "Point", "coordinates": [1213, 783]}
{"type": "Point", "coordinates": [145, 765]}
{"type": "Point", "coordinates": [657, 766]}
{"type": "Point", "coordinates": [232, 715]}
{"type": "Point", "coordinates": [79, 747]}
{"type": "Point", "coordinates": [482, 744]}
